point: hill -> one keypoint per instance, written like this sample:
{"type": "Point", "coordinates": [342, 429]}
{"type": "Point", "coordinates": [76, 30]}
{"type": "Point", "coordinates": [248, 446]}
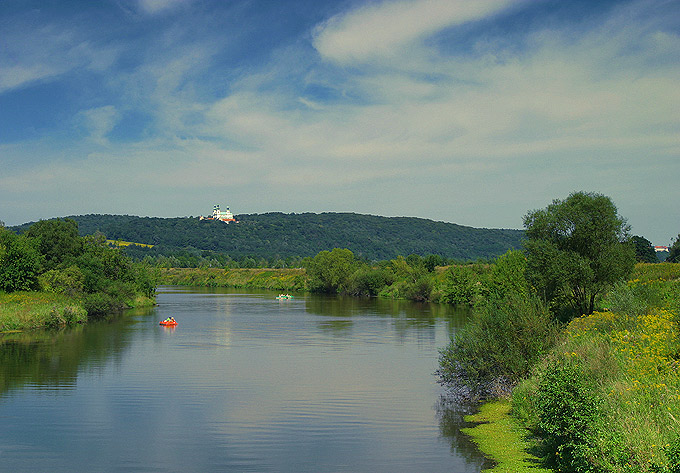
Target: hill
{"type": "Point", "coordinates": [279, 235]}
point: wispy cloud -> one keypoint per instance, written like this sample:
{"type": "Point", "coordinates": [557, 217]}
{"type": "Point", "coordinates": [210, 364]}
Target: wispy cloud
{"type": "Point", "coordinates": [99, 122]}
{"type": "Point", "coordinates": [383, 30]}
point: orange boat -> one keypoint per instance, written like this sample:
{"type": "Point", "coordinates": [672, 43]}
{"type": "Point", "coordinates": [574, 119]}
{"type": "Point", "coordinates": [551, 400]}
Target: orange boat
{"type": "Point", "coordinates": [169, 322]}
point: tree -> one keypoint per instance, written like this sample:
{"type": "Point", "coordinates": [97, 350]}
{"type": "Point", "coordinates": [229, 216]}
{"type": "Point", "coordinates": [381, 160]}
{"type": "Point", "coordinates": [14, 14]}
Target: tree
{"type": "Point", "coordinates": [58, 240]}
{"type": "Point", "coordinates": [330, 271]}
{"type": "Point", "coordinates": [644, 251]}
{"type": "Point", "coordinates": [674, 252]}
{"type": "Point", "coordinates": [20, 262]}
{"type": "Point", "coordinates": [576, 249]}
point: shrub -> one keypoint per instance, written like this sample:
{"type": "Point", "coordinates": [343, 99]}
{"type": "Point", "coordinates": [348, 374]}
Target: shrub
{"type": "Point", "coordinates": [367, 281]}
{"type": "Point", "coordinates": [68, 281]}
{"type": "Point", "coordinates": [567, 410]}
{"type": "Point", "coordinates": [498, 346]}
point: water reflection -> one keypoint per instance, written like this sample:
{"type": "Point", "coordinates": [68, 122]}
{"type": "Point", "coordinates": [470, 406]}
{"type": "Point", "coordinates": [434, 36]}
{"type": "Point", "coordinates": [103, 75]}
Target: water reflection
{"type": "Point", "coordinates": [243, 383]}
{"type": "Point", "coordinates": [405, 315]}
{"type": "Point", "coordinates": [49, 359]}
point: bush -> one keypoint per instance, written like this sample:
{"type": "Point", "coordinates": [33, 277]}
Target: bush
{"type": "Point", "coordinates": [567, 410]}
{"type": "Point", "coordinates": [367, 281]}
{"type": "Point", "coordinates": [100, 303]}
{"type": "Point", "coordinates": [498, 346]}
{"type": "Point", "coordinates": [68, 281]}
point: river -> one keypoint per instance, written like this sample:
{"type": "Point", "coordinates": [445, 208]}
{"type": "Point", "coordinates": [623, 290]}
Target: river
{"type": "Point", "coordinates": [244, 383]}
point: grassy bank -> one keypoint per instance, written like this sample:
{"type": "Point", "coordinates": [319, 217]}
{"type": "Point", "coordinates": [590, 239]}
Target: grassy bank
{"type": "Point", "coordinates": [502, 438]}
{"type": "Point", "coordinates": [30, 310]}
{"type": "Point", "coordinates": [288, 280]}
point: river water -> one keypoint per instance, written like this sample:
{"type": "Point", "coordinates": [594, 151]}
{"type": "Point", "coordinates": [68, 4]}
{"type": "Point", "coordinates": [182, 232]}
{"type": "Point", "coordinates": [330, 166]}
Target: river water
{"type": "Point", "coordinates": [244, 383]}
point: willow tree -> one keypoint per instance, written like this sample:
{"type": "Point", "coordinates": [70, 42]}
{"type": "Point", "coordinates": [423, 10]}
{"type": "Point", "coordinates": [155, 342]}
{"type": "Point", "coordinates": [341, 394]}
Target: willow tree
{"type": "Point", "coordinates": [576, 249]}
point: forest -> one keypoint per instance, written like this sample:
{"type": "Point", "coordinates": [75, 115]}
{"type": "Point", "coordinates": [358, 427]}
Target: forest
{"type": "Point", "coordinates": [290, 237]}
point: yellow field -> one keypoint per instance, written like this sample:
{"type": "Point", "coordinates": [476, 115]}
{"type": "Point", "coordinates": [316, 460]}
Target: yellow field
{"type": "Point", "coordinates": [127, 243]}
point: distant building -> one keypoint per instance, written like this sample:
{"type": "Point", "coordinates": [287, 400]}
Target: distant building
{"type": "Point", "coordinates": [662, 248]}
{"type": "Point", "coordinates": [223, 216]}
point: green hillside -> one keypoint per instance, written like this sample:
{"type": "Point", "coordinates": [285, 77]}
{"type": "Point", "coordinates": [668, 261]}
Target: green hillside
{"type": "Point", "coordinates": [279, 235]}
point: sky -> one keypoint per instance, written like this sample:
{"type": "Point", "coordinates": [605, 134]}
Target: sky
{"type": "Point", "coordinates": [472, 112]}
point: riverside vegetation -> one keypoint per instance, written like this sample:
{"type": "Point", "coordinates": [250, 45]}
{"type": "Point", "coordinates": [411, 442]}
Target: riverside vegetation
{"type": "Point", "coordinates": [587, 355]}
{"type": "Point", "coordinates": [50, 276]}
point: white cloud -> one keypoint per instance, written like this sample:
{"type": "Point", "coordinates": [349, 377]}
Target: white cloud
{"type": "Point", "coordinates": [153, 7]}
{"type": "Point", "coordinates": [383, 29]}
{"type": "Point", "coordinates": [99, 122]}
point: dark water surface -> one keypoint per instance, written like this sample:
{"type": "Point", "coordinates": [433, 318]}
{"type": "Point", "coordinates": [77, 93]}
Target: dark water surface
{"type": "Point", "coordinates": [244, 383]}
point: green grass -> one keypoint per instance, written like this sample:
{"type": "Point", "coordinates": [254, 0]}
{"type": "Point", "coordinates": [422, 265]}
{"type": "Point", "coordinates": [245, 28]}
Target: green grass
{"type": "Point", "coordinates": [31, 310]}
{"type": "Point", "coordinates": [500, 437]}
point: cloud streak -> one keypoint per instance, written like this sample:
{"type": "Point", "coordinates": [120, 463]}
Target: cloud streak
{"type": "Point", "coordinates": [386, 29]}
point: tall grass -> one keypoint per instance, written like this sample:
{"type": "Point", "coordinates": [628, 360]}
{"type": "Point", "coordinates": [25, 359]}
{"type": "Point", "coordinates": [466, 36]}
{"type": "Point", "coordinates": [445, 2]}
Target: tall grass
{"type": "Point", "coordinates": [30, 310]}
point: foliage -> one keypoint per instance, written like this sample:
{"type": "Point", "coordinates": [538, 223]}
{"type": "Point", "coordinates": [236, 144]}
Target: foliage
{"type": "Point", "coordinates": [369, 281]}
{"type": "Point", "coordinates": [499, 346]}
{"type": "Point", "coordinates": [568, 410]}
{"type": "Point", "coordinates": [461, 284]}
{"type": "Point", "coordinates": [277, 236]}
{"type": "Point", "coordinates": [508, 275]}
{"type": "Point", "coordinates": [674, 251]}
{"type": "Point", "coordinates": [86, 270]}
{"type": "Point", "coordinates": [330, 271]}
{"type": "Point", "coordinates": [57, 240]}
{"type": "Point", "coordinates": [576, 249]}
{"type": "Point", "coordinates": [68, 281]}
{"type": "Point", "coordinates": [20, 262]}
{"type": "Point", "coordinates": [276, 279]}
{"type": "Point", "coordinates": [625, 362]}
{"type": "Point", "coordinates": [644, 250]}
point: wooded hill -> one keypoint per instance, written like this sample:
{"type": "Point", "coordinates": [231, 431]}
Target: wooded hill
{"type": "Point", "coordinates": [279, 235]}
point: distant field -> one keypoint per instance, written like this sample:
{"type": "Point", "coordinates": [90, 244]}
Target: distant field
{"type": "Point", "coordinates": [127, 243]}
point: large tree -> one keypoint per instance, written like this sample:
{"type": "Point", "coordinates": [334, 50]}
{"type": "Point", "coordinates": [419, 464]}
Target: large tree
{"type": "Point", "coordinates": [57, 240]}
{"type": "Point", "coordinates": [576, 249]}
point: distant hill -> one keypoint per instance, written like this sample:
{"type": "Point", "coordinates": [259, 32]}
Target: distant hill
{"type": "Point", "coordinates": [282, 235]}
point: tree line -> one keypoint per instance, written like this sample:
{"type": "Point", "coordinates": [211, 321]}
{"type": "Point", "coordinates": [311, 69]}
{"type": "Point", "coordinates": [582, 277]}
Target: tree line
{"type": "Point", "coordinates": [277, 236]}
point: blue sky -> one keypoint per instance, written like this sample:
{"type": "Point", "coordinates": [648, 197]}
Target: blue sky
{"type": "Point", "coordinates": [465, 111]}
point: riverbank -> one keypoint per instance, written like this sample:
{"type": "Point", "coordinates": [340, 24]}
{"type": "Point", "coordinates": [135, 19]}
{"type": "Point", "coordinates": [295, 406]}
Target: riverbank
{"type": "Point", "coordinates": [503, 439]}
{"type": "Point", "coordinates": [25, 310]}
{"type": "Point", "coordinates": [607, 396]}
{"type": "Point", "coordinates": [29, 310]}
{"type": "Point", "coordinates": [288, 280]}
